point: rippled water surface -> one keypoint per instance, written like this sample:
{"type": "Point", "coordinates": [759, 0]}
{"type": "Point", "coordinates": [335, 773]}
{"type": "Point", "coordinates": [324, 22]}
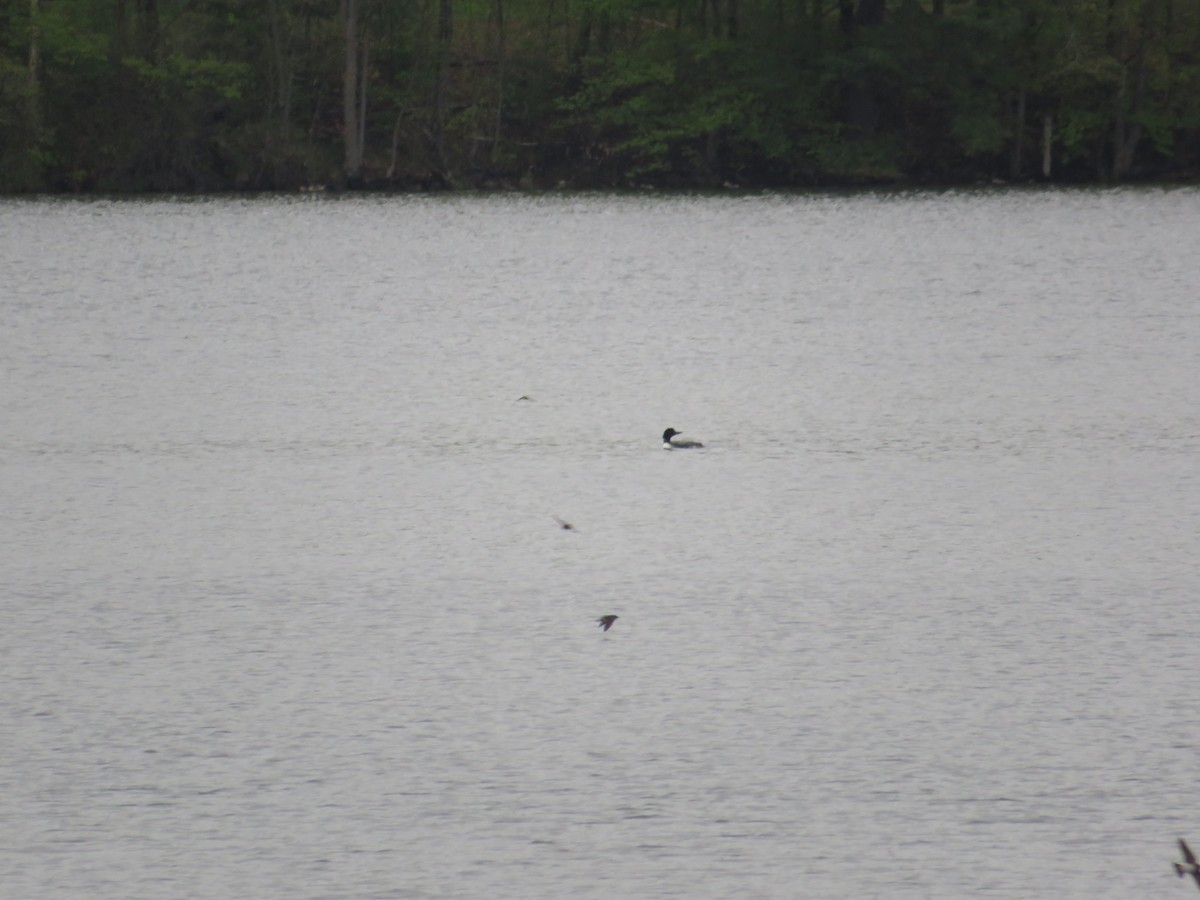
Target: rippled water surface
{"type": "Point", "coordinates": [285, 612]}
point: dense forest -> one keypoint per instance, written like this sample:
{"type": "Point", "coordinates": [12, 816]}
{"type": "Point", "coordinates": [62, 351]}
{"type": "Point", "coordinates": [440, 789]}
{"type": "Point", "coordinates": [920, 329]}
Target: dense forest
{"type": "Point", "coordinates": [206, 95]}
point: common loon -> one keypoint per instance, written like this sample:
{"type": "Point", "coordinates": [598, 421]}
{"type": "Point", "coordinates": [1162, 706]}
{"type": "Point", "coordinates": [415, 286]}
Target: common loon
{"type": "Point", "coordinates": [670, 444]}
{"type": "Point", "coordinates": [606, 622]}
{"type": "Point", "coordinates": [1189, 866]}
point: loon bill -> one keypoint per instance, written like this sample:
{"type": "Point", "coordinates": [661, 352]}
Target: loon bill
{"type": "Point", "coordinates": [669, 442]}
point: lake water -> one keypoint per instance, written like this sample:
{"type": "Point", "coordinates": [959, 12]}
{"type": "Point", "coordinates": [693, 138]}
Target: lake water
{"type": "Point", "coordinates": [285, 611]}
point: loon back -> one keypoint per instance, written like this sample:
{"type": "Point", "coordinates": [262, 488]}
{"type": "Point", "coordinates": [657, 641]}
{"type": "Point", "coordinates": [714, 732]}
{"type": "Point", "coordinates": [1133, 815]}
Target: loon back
{"type": "Point", "coordinates": [669, 444]}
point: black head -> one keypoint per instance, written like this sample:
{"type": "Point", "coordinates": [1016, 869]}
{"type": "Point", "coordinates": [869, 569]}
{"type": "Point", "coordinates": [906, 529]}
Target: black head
{"type": "Point", "coordinates": [606, 622]}
{"type": "Point", "coordinates": [668, 434]}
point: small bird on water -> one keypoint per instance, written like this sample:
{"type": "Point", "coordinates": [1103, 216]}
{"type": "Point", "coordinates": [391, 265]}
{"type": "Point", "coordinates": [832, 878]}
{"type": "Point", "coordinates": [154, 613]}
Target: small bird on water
{"type": "Point", "coordinates": [606, 622]}
{"type": "Point", "coordinates": [565, 526]}
{"type": "Point", "coordinates": [1189, 866]}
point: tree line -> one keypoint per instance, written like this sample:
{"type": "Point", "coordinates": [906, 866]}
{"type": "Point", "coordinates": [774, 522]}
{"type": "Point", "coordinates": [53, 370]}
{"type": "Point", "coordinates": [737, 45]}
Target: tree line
{"type": "Point", "coordinates": [207, 95]}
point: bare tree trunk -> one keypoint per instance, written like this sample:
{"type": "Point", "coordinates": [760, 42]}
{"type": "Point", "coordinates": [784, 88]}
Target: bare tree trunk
{"type": "Point", "coordinates": [862, 106]}
{"type": "Point", "coordinates": [282, 65]}
{"type": "Point", "coordinates": [445, 35]}
{"type": "Point", "coordinates": [1047, 142]}
{"type": "Point", "coordinates": [1125, 140]}
{"type": "Point", "coordinates": [362, 101]}
{"type": "Point", "coordinates": [35, 98]}
{"type": "Point", "coordinates": [148, 29]}
{"type": "Point", "coordinates": [350, 128]}
{"type": "Point", "coordinates": [870, 12]}
{"type": "Point", "coordinates": [846, 20]}
{"type": "Point", "coordinates": [501, 49]}
{"type": "Point", "coordinates": [1018, 153]}
{"type": "Point", "coordinates": [391, 170]}
{"type": "Point", "coordinates": [118, 48]}
{"type": "Point", "coordinates": [34, 38]}
{"type": "Point", "coordinates": [583, 40]}
{"type": "Point", "coordinates": [1126, 135]}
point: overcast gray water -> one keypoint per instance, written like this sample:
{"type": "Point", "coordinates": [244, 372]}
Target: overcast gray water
{"type": "Point", "coordinates": [285, 611]}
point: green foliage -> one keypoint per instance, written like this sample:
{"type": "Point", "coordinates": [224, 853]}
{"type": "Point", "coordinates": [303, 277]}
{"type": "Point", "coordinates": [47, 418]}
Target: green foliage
{"type": "Point", "coordinates": [21, 155]}
{"type": "Point", "coordinates": [178, 76]}
{"type": "Point", "coordinates": [187, 95]}
{"type": "Point", "coordinates": [69, 39]}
